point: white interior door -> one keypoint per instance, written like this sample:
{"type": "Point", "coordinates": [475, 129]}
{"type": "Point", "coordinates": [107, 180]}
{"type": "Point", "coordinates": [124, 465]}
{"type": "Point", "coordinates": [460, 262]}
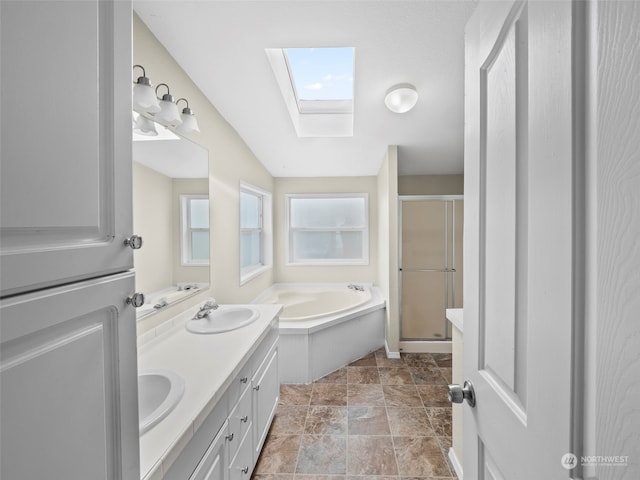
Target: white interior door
{"type": "Point", "coordinates": [519, 240]}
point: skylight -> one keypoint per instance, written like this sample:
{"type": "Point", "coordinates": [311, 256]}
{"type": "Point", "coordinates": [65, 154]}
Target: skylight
{"type": "Point", "coordinates": [321, 73]}
{"type": "Point", "coordinates": [317, 86]}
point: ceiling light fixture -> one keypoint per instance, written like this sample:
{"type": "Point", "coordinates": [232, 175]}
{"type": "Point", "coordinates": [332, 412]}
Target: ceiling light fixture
{"type": "Point", "coordinates": [144, 98]}
{"type": "Point", "coordinates": [401, 98]}
{"type": "Point", "coordinates": [189, 122]}
{"type": "Point", "coordinates": [168, 109]}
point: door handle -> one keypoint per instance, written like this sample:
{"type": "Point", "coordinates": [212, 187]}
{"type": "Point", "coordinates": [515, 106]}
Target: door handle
{"type": "Point", "coordinates": [458, 394]}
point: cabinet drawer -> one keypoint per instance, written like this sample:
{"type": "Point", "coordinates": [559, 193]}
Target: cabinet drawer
{"type": "Point", "coordinates": [239, 384]}
{"type": "Point", "coordinates": [240, 421]}
{"type": "Point", "coordinates": [241, 466]}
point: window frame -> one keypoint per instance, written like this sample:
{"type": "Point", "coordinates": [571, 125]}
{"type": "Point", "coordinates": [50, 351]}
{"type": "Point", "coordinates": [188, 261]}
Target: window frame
{"type": "Point", "coordinates": [289, 242]}
{"type": "Point", "coordinates": [265, 229]}
{"type": "Point", "coordinates": [186, 253]}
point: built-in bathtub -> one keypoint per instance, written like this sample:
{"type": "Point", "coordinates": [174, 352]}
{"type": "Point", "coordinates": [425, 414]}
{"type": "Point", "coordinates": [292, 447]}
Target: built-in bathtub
{"type": "Point", "coordinates": [324, 327]}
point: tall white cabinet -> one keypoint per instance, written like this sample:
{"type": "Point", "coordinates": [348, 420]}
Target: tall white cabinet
{"type": "Point", "coordinates": [68, 376]}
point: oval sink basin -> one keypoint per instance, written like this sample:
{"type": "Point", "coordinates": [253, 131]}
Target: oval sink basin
{"type": "Point", "coordinates": [224, 319]}
{"type": "Point", "coordinates": [159, 391]}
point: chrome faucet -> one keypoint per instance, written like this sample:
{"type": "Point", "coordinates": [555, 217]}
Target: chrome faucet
{"type": "Point", "coordinates": [207, 308]}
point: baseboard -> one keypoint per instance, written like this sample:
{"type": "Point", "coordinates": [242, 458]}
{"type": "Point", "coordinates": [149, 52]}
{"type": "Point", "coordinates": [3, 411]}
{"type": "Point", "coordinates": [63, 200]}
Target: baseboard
{"type": "Point", "coordinates": [455, 463]}
{"type": "Point", "coordinates": [426, 346]}
{"type": "Point", "coordinates": [389, 353]}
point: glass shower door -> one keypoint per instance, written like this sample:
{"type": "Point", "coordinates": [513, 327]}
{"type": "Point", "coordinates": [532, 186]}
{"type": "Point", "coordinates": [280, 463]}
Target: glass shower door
{"type": "Point", "coordinates": [431, 247]}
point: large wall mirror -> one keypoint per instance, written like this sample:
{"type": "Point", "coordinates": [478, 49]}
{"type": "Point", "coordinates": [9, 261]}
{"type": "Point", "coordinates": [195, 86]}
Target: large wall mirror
{"type": "Point", "coordinates": [171, 214]}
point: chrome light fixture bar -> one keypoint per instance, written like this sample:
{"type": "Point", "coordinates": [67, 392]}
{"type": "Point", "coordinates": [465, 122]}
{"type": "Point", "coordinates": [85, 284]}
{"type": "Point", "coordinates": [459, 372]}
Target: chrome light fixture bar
{"type": "Point", "coordinates": [144, 98]}
{"type": "Point", "coordinates": [164, 110]}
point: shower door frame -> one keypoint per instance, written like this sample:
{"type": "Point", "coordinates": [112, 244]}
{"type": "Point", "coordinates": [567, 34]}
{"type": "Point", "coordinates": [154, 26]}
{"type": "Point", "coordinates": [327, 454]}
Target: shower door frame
{"type": "Point", "coordinates": [425, 345]}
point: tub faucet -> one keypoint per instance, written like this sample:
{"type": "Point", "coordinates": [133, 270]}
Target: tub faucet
{"type": "Point", "coordinates": [207, 308]}
{"type": "Point", "coordinates": [357, 288]}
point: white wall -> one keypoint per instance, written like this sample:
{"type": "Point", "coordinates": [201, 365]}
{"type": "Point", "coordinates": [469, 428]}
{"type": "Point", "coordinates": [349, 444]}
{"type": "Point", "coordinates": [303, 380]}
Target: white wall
{"type": "Point", "coordinates": [355, 273]}
{"type": "Point", "coordinates": [388, 240]}
{"type": "Point", "coordinates": [230, 161]}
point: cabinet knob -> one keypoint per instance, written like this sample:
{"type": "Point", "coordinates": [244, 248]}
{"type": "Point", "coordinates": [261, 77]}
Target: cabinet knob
{"type": "Point", "coordinates": [136, 300]}
{"type": "Point", "coordinates": [256, 388]}
{"type": "Point", "coordinates": [229, 437]}
{"type": "Point", "coordinates": [134, 241]}
{"type": "Point", "coordinates": [244, 419]}
{"type": "Point", "coordinates": [244, 379]}
{"type": "Point", "coordinates": [245, 470]}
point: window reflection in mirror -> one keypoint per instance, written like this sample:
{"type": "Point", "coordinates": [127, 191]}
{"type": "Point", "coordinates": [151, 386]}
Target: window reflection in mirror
{"type": "Point", "coordinates": [171, 214]}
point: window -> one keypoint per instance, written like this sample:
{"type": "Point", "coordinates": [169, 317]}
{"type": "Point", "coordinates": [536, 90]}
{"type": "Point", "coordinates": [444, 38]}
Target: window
{"type": "Point", "coordinates": [328, 229]}
{"type": "Point", "coordinates": [194, 216]}
{"type": "Point", "coordinates": [255, 232]}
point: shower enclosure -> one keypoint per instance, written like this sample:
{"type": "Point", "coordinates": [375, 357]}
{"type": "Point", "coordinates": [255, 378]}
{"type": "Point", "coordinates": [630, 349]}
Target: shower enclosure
{"type": "Point", "coordinates": [430, 265]}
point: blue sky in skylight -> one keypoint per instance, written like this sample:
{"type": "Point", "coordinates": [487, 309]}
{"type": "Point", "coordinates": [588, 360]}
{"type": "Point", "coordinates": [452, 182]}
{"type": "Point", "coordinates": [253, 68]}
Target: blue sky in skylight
{"type": "Point", "coordinates": [322, 73]}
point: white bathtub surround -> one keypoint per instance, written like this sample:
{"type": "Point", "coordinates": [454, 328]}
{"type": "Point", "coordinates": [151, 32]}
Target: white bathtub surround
{"type": "Point", "coordinates": [315, 344]}
{"type": "Point", "coordinates": [208, 364]}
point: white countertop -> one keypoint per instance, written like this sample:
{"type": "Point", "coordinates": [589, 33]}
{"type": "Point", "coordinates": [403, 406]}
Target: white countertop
{"type": "Point", "coordinates": [208, 364]}
{"type": "Point", "coordinates": [455, 316]}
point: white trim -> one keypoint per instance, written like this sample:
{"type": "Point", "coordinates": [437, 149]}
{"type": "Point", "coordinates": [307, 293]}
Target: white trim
{"type": "Point", "coordinates": [389, 353]}
{"type": "Point", "coordinates": [329, 261]}
{"type": "Point", "coordinates": [455, 463]}
{"type": "Point", "coordinates": [186, 259]}
{"type": "Point", "coordinates": [266, 238]}
{"type": "Point", "coordinates": [425, 346]}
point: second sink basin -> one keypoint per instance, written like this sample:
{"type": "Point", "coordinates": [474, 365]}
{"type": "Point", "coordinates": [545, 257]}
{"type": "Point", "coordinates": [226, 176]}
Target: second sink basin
{"type": "Point", "coordinates": [159, 391]}
{"type": "Point", "coordinates": [224, 319]}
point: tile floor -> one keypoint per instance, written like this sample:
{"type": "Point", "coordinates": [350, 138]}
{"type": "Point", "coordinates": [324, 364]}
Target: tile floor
{"type": "Point", "coordinates": [388, 418]}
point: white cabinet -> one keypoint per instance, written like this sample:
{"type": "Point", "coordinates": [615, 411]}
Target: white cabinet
{"type": "Point", "coordinates": [68, 369]}
{"type": "Point", "coordinates": [213, 465]}
{"type": "Point", "coordinates": [266, 395]}
{"type": "Point", "coordinates": [68, 383]}
{"type": "Point", "coordinates": [65, 161]}
{"type": "Point", "coordinates": [239, 422]}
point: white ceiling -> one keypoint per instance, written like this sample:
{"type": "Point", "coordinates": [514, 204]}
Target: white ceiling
{"type": "Point", "coordinates": [221, 45]}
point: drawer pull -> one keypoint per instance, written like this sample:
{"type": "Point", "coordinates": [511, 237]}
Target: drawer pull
{"type": "Point", "coordinates": [256, 388]}
{"type": "Point", "coordinates": [244, 419]}
{"type": "Point", "coordinates": [245, 470]}
{"type": "Point", "coordinates": [244, 380]}
{"type": "Point", "coordinates": [230, 437]}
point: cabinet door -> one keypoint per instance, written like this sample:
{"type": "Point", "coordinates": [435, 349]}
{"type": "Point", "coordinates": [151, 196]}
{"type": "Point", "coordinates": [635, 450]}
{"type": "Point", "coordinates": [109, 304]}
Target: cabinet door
{"type": "Point", "coordinates": [241, 466]}
{"type": "Point", "coordinates": [65, 161]}
{"type": "Point", "coordinates": [68, 383]}
{"type": "Point", "coordinates": [213, 465]}
{"type": "Point", "coordinates": [266, 394]}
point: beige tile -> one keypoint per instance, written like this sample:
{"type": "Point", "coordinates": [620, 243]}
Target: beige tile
{"type": "Point", "coordinates": [440, 419]}
{"type": "Point", "coordinates": [289, 420]}
{"type": "Point", "coordinates": [339, 376]}
{"type": "Point", "coordinates": [279, 454]}
{"type": "Point", "coordinates": [419, 360]}
{"type": "Point", "coordinates": [366, 375]}
{"type": "Point", "coordinates": [322, 454]}
{"type": "Point", "coordinates": [363, 394]}
{"type": "Point", "coordinates": [401, 396]}
{"type": "Point", "coordinates": [366, 361]}
{"type": "Point", "coordinates": [295, 394]}
{"type": "Point", "coordinates": [329, 394]}
{"type": "Point", "coordinates": [446, 373]}
{"type": "Point", "coordinates": [442, 359]}
{"type": "Point", "coordinates": [434, 395]}
{"type": "Point", "coordinates": [420, 457]}
{"type": "Point", "coordinates": [409, 421]}
{"type": "Point", "coordinates": [368, 421]}
{"type": "Point", "coordinates": [326, 420]}
{"type": "Point", "coordinates": [395, 376]}
{"type": "Point", "coordinates": [371, 455]}
{"type": "Point", "coordinates": [429, 375]}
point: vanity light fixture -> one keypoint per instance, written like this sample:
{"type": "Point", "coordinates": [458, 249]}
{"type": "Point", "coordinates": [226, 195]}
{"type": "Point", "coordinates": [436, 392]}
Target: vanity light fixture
{"type": "Point", "coordinates": [144, 98]}
{"type": "Point", "coordinates": [143, 126]}
{"type": "Point", "coordinates": [168, 113]}
{"type": "Point", "coordinates": [401, 98]}
{"type": "Point", "coordinates": [189, 122]}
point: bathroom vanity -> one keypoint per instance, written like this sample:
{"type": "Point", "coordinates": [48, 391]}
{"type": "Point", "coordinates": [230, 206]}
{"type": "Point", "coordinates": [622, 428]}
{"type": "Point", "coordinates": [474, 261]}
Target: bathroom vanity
{"type": "Point", "coordinates": [218, 428]}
